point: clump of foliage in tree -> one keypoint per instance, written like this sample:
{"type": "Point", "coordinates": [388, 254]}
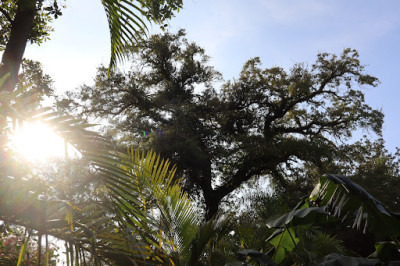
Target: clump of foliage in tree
{"type": "Point", "coordinates": [267, 122]}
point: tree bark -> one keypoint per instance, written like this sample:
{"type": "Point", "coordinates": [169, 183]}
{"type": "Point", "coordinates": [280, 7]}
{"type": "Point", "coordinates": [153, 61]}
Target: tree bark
{"type": "Point", "coordinates": [21, 29]}
{"type": "Point", "coordinates": [212, 201]}
{"type": "Point", "coordinates": [248, 169]}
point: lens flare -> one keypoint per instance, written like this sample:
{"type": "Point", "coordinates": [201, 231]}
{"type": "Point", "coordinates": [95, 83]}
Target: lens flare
{"type": "Point", "coordinates": [37, 142]}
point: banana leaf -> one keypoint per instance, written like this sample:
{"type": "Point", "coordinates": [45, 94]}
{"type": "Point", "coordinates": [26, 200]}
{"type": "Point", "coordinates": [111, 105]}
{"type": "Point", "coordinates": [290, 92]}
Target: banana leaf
{"type": "Point", "coordinates": [348, 201]}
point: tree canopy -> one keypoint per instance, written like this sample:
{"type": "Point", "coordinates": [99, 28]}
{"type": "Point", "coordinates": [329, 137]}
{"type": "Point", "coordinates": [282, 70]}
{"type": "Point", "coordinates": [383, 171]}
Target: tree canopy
{"type": "Point", "coordinates": [267, 122]}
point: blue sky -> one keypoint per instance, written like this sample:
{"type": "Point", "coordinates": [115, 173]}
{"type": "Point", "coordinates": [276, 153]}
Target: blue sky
{"type": "Point", "coordinates": [280, 32]}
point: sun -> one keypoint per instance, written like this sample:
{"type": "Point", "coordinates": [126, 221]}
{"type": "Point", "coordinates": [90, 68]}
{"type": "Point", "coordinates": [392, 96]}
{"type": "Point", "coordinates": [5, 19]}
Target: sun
{"type": "Point", "coordinates": [37, 142]}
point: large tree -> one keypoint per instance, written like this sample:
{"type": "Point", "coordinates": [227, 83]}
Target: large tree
{"type": "Point", "coordinates": [266, 122]}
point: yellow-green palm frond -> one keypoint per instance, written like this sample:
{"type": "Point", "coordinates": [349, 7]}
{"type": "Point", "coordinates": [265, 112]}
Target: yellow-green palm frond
{"type": "Point", "coordinates": [173, 217]}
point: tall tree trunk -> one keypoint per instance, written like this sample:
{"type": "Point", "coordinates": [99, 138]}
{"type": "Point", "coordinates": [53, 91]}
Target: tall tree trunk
{"type": "Point", "coordinates": [211, 199]}
{"type": "Point", "coordinates": [21, 28]}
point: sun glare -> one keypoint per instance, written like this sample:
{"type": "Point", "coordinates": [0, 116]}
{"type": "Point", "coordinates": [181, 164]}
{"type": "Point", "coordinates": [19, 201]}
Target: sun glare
{"type": "Point", "coordinates": [37, 142]}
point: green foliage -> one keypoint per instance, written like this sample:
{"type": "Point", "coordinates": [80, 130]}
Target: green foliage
{"type": "Point", "coordinates": [347, 200]}
{"type": "Point", "coordinates": [376, 170]}
{"type": "Point", "coordinates": [256, 256]}
{"type": "Point", "coordinates": [11, 240]}
{"type": "Point", "coordinates": [128, 208]}
{"type": "Point", "coordinates": [178, 99]}
{"type": "Point", "coordinates": [45, 10]}
{"type": "Point", "coordinates": [365, 162]}
{"type": "Point", "coordinates": [134, 210]}
{"type": "Point", "coordinates": [386, 251]}
{"type": "Point", "coordinates": [314, 245]}
{"type": "Point", "coordinates": [267, 122]}
{"type": "Point", "coordinates": [172, 219]}
{"type": "Point", "coordinates": [284, 242]}
{"type": "Point", "coordinates": [33, 78]}
{"type": "Point", "coordinates": [300, 216]}
{"type": "Point", "coordinates": [335, 200]}
{"type": "Point", "coordinates": [126, 25]}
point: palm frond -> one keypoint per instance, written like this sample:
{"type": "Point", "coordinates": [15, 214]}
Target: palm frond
{"type": "Point", "coordinates": [127, 21]}
{"type": "Point", "coordinates": [171, 217]}
{"type": "Point", "coordinates": [208, 232]}
{"type": "Point", "coordinates": [126, 26]}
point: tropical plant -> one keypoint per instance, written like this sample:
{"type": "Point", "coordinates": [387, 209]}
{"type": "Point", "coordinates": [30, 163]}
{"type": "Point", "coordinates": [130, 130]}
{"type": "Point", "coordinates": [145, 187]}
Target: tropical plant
{"type": "Point", "coordinates": [172, 226]}
{"type": "Point", "coordinates": [142, 215]}
{"type": "Point", "coordinates": [338, 200]}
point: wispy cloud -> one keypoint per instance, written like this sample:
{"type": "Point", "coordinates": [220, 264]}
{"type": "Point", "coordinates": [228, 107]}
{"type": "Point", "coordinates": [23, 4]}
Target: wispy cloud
{"type": "Point", "coordinates": [295, 11]}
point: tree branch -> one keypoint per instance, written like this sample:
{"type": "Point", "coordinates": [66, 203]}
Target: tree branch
{"type": "Point", "coordinates": [293, 101]}
{"type": "Point", "coordinates": [305, 128]}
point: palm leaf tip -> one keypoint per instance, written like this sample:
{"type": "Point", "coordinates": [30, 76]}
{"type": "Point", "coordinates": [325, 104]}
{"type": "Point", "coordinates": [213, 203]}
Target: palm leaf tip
{"type": "Point", "coordinates": [126, 26]}
{"type": "Point", "coordinates": [127, 23]}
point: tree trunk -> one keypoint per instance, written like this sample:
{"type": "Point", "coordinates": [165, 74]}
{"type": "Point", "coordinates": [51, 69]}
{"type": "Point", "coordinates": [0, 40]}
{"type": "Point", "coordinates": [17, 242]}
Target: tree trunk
{"type": "Point", "coordinates": [21, 29]}
{"type": "Point", "coordinates": [211, 198]}
{"type": "Point", "coordinates": [212, 201]}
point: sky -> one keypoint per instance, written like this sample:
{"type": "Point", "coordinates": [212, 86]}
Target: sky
{"type": "Point", "coordinates": [280, 32]}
